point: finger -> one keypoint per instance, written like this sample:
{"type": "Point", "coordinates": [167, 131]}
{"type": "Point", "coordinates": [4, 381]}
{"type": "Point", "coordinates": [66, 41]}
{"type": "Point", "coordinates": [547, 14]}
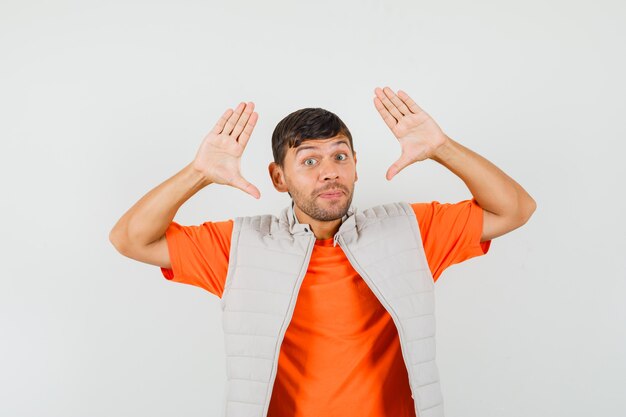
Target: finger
{"type": "Point", "coordinates": [396, 101]}
{"type": "Point", "coordinates": [388, 104]}
{"type": "Point", "coordinates": [219, 126]}
{"type": "Point", "coordinates": [247, 131]}
{"type": "Point", "coordinates": [390, 121]}
{"type": "Point", "coordinates": [409, 102]}
{"type": "Point", "coordinates": [241, 123]}
{"type": "Point", "coordinates": [233, 119]}
{"type": "Point", "coordinates": [397, 166]}
{"type": "Point", "coordinates": [241, 183]}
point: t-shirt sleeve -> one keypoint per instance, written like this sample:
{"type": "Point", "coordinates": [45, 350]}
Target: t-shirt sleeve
{"type": "Point", "coordinates": [199, 254]}
{"type": "Point", "coordinates": [451, 232]}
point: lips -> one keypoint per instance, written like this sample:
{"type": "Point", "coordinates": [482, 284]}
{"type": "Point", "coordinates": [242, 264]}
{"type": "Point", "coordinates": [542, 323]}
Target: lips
{"type": "Point", "coordinates": [331, 193]}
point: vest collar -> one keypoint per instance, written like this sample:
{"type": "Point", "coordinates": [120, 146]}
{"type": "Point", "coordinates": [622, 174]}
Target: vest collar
{"type": "Point", "coordinates": [288, 216]}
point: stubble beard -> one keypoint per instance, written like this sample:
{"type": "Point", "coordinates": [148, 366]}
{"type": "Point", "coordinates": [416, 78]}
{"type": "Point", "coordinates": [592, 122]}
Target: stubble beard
{"type": "Point", "coordinates": [324, 211]}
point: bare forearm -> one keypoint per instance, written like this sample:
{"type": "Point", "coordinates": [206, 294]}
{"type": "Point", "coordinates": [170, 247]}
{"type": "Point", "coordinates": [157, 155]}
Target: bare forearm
{"type": "Point", "coordinates": [148, 219]}
{"type": "Point", "coordinates": [494, 190]}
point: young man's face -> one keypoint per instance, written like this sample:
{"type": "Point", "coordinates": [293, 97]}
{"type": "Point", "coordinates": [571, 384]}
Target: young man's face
{"type": "Point", "coordinates": [314, 168]}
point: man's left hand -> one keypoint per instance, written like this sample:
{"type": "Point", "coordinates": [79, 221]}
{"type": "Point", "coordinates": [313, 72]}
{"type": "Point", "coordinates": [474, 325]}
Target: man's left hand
{"type": "Point", "coordinates": [419, 136]}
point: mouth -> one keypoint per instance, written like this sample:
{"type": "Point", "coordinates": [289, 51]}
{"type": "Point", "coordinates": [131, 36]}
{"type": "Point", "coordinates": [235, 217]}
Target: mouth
{"type": "Point", "coordinates": [332, 194]}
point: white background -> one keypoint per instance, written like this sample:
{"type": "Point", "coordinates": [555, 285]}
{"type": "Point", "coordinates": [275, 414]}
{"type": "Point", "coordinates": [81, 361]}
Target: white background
{"type": "Point", "coordinates": [102, 101]}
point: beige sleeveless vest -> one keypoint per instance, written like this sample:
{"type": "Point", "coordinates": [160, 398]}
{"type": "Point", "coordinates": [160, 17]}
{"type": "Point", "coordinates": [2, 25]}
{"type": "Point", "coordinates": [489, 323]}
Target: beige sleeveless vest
{"type": "Point", "coordinates": [269, 257]}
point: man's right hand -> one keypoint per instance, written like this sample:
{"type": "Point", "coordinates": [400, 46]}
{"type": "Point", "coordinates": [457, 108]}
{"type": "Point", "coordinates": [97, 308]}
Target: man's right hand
{"type": "Point", "coordinates": [219, 156]}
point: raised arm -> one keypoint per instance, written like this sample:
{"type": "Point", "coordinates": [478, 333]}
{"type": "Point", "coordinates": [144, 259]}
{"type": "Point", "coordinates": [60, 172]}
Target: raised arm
{"type": "Point", "coordinates": [140, 232]}
{"type": "Point", "coordinates": [506, 205]}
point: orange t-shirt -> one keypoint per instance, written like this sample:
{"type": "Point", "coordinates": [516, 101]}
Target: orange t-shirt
{"type": "Point", "coordinates": [341, 353]}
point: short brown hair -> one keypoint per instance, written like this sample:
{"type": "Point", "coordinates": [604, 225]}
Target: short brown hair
{"type": "Point", "coordinates": [306, 124]}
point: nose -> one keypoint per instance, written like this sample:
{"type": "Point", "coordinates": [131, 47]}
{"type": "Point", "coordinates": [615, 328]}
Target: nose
{"type": "Point", "coordinates": [329, 171]}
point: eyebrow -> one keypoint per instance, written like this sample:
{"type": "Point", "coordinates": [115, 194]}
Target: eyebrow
{"type": "Point", "coordinates": [335, 144]}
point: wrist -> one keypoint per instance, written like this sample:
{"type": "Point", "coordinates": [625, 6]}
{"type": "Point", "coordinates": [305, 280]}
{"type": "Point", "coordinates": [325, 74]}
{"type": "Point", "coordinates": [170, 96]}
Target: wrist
{"type": "Point", "coordinates": [443, 151]}
{"type": "Point", "coordinates": [196, 176]}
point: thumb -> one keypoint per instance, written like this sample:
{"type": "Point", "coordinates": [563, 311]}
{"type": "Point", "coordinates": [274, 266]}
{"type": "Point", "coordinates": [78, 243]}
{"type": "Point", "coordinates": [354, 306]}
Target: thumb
{"type": "Point", "coordinates": [397, 166]}
{"type": "Point", "coordinates": [245, 186]}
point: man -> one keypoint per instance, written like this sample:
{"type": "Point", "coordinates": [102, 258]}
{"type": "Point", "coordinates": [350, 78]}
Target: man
{"type": "Point", "coordinates": [359, 341]}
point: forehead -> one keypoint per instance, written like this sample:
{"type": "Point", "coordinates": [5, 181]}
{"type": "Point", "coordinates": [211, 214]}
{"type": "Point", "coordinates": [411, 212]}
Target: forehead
{"type": "Point", "coordinates": [320, 144]}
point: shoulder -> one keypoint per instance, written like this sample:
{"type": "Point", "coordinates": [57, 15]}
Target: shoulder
{"type": "Point", "coordinates": [396, 215]}
{"type": "Point", "coordinates": [262, 223]}
{"type": "Point", "coordinates": [449, 218]}
{"type": "Point", "coordinates": [393, 209]}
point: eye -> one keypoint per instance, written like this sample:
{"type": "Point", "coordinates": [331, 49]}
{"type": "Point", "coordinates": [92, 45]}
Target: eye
{"type": "Point", "coordinates": [308, 159]}
{"type": "Point", "coordinates": [345, 156]}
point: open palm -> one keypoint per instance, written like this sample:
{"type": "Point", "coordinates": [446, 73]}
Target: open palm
{"type": "Point", "coordinates": [418, 134]}
{"type": "Point", "coordinates": [219, 155]}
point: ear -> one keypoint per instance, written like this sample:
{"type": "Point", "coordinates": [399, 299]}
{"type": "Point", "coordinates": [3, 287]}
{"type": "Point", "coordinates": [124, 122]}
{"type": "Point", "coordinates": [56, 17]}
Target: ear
{"type": "Point", "coordinates": [356, 176]}
{"type": "Point", "coordinates": [278, 178]}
